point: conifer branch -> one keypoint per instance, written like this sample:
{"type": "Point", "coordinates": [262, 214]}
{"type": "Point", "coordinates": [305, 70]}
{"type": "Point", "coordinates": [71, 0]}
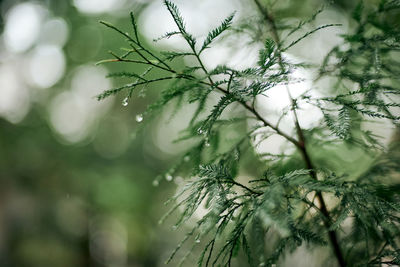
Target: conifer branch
{"type": "Point", "coordinates": [211, 82]}
{"type": "Point", "coordinates": [302, 142]}
{"type": "Point", "coordinates": [235, 207]}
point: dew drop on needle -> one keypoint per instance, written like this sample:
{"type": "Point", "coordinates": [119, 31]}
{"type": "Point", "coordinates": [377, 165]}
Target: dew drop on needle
{"type": "Point", "coordinates": [139, 117]}
{"type": "Point", "coordinates": [125, 102]}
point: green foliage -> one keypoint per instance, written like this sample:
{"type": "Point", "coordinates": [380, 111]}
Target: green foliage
{"type": "Point", "coordinates": [217, 31]}
{"type": "Point", "coordinates": [286, 196]}
{"type": "Point", "coordinates": [174, 11]}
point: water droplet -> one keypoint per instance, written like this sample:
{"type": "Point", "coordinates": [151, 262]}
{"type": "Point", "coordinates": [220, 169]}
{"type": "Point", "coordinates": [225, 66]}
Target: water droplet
{"type": "Point", "coordinates": [207, 142]}
{"type": "Point", "coordinates": [155, 183]}
{"type": "Point", "coordinates": [199, 131]}
{"type": "Point", "coordinates": [174, 227]}
{"type": "Point", "coordinates": [139, 117]}
{"type": "Point", "coordinates": [125, 102]}
{"type": "Point", "coordinates": [168, 177]}
{"type": "Point", "coordinates": [186, 158]}
{"type": "Point", "coordinates": [197, 241]}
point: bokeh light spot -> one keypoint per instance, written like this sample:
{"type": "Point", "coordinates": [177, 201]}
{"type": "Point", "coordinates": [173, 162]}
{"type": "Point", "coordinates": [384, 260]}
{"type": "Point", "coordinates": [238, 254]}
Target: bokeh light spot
{"type": "Point", "coordinates": [69, 117]}
{"type": "Point", "coordinates": [47, 66]}
{"type": "Point", "coordinates": [22, 26]}
{"type": "Point", "coordinates": [97, 6]}
{"type": "Point", "coordinates": [14, 96]}
{"type": "Point", "coordinates": [54, 32]}
{"type": "Point", "coordinates": [73, 113]}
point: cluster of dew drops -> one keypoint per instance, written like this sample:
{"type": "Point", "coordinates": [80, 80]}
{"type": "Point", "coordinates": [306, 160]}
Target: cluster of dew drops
{"type": "Point", "coordinates": [169, 177]}
{"type": "Point", "coordinates": [139, 117]}
{"type": "Point", "coordinates": [207, 142]}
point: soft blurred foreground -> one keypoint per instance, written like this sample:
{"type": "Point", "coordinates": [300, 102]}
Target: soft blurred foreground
{"type": "Point", "coordinates": [77, 178]}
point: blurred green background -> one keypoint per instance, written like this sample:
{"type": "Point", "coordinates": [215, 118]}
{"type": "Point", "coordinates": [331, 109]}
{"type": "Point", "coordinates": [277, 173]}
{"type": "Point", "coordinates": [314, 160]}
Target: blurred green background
{"type": "Point", "coordinates": [75, 175]}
